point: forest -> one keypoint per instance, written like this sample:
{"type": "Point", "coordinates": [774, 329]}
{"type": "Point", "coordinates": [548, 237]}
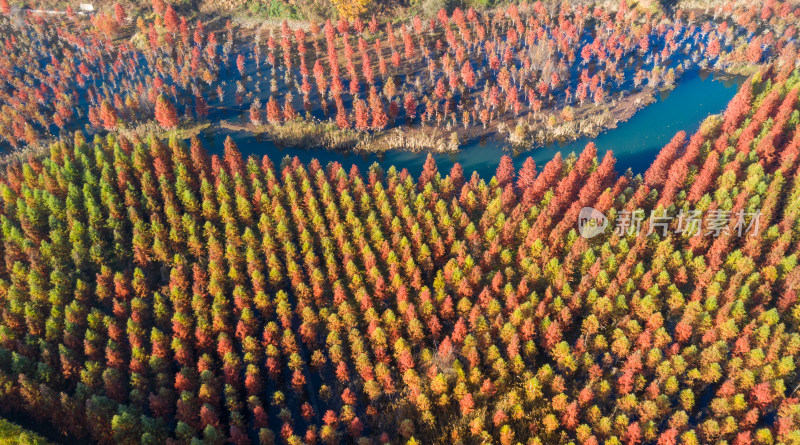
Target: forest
{"type": "Point", "coordinates": [169, 275]}
{"type": "Point", "coordinates": [528, 73]}
{"type": "Point", "coordinates": [153, 292]}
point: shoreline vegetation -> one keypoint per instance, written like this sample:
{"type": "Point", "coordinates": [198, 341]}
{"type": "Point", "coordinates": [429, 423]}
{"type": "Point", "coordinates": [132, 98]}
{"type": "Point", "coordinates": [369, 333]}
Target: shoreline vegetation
{"type": "Point", "coordinates": [565, 125]}
{"type": "Point", "coordinates": [521, 136]}
{"type": "Point", "coordinates": [526, 74]}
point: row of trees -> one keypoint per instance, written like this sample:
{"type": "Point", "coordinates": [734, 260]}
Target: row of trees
{"type": "Point", "coordinates": [153, 293]}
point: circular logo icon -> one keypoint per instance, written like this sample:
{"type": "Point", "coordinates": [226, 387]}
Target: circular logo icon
{"type": "Point", "coordinates": [591, 222]}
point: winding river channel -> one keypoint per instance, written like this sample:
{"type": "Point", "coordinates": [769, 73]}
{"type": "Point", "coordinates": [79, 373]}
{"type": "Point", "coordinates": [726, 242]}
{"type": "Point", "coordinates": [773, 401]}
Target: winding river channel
{"type": "Point", "coordinates": [634, 142]}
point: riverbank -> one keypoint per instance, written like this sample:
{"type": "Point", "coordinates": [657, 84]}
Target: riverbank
{"type": "Point", "coordinates": [634, 142]}
{"type": "Point", "coordinates": [314, 134]}
{"type": "Point", "coordinates": [313, 138]}
{"type": "Point", "coordinates": [560, 126]}
{"type": "Point", "coordinates": [524, 133]}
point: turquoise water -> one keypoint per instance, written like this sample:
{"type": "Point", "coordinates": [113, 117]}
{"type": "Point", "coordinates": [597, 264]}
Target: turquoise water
{"type": "Point", "coordinates": [635, 142]}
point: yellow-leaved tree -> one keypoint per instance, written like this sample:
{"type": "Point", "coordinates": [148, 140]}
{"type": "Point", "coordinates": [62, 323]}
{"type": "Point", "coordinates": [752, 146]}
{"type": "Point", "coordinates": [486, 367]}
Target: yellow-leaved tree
{"type": "Point", "coordinates": [350, 9]}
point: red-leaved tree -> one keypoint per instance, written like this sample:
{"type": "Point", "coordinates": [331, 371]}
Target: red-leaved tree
{"type": "Point", "coordinates": [166, 115]}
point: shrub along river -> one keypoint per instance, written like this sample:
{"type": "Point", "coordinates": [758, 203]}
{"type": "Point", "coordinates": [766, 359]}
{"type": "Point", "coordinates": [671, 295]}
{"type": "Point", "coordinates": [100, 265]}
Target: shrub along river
{"type": "Point", "coordinates": [635, 142]}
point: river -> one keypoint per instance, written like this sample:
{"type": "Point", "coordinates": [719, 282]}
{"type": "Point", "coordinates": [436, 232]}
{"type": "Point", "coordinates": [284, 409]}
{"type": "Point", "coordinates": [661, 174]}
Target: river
{"type": "Point", "coordinates": [634, 143]}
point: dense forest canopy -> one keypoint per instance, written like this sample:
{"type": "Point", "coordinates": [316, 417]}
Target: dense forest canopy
{"type": "Point", "coordinates": [156, 292]}
{"type": "Point", "coordinates": [151, 293]}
